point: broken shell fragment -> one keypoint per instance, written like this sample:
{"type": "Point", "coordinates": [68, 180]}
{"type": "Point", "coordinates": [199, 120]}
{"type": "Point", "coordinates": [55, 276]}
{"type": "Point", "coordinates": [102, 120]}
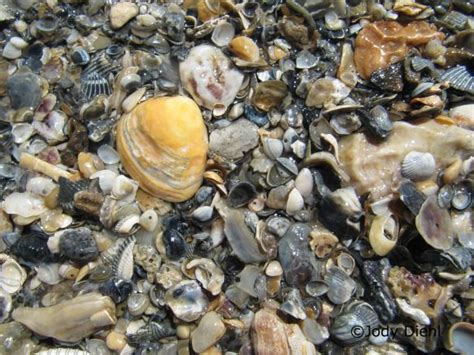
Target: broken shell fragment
{"type": "Point", "coordinates": [209, 76]}
{"type": "Point", "coordinates": [244, 48]}
{"type": "Point", "coordinates": [186, 300]}
{"type": "Point", "coordinates": [85, 315]}
{"type": "Point", "coordinates": [209, 331]}
{"type": "Point", "coordinates": [12, 275]}
{"type": "Point", "coordinates": [163, 145]}
{"type": "Point", "coordinates": [268, 334]}
{"type": "Point", "coordinates": [383, 234]}
{"type": "Point", "coordinates": [434, 224]}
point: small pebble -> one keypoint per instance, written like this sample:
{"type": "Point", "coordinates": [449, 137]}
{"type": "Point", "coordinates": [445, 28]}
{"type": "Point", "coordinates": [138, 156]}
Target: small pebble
{"type": "Point", "coordinates": [116, 341]}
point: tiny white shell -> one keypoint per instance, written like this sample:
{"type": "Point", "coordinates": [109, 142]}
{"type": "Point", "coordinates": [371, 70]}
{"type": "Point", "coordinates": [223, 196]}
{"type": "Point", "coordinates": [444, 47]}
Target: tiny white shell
{"type": "Point", "coordinates": [106, 179]}
{"type": "Point", "coordinates": [295, 202]}
{"type": "Point", "coordinates": [64, 351]}
{"type": "Point", "coordinates": [49, 273]}
{"type": "Point", "coordinates": [418, 166]}
{"type": "Point", "coordinates": [203, 213]}
{"type": "Point", "coordinates": [124, 188]}
{"type": "Point", "coordinates": [126, 225]}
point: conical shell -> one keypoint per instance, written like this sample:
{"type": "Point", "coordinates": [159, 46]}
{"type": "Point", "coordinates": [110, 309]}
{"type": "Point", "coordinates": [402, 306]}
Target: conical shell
{"type": "Point", "coordinates": [163, 145]}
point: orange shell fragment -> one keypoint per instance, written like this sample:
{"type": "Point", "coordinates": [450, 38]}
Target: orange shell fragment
{"type": "Point", "coordinates": [383, 43]}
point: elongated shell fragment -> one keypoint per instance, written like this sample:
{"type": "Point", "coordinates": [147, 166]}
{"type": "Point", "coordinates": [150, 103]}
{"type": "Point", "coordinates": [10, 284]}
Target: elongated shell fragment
{"type": "Point", "coordinates": [163, 145]}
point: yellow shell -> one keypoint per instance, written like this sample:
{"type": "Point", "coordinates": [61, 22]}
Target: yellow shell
{"type": "Point", "coordinates": [163, 145]}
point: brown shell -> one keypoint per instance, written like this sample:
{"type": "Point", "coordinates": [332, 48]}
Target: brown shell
{"type": "Point", "coordinates": [163, 145]}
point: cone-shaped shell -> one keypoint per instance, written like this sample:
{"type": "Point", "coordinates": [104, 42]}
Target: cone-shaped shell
{"type": "Point", "coordinates": [163, 145]}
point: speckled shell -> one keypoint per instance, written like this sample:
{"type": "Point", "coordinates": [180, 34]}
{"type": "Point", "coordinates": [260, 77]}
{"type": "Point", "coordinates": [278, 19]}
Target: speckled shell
{"type": "Point", "coordinates": [163, 145]}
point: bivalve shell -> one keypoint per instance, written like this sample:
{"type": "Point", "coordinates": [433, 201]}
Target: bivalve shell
{"type": "Point", "coordinates": [418, 166]}
{"type": "Point", "coordinates": [12, 275]}
{"type": "Point", "coordinates": [163, 146]}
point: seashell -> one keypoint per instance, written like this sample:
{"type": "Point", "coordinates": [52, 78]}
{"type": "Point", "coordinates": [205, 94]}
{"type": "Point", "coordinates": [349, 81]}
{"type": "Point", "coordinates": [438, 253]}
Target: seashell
{"type": "Point", "coordinates": [414, 313]}
{"type": "Point", "coordinates": [85, 315]}
{"type": "Point", "coordinates": [326, 92]}
{"type": "Point", "coordinates": [434, 224]}
{"type": "Point", "coordinates": [21, 132]}
{"type": "Point", "coordinates": [149, 220]}
{"type": "Point", "coordinates": [272, 147]}
{"type": "Point", "coordinates": [209, 275]}
{"type": "Point", "coordinates": [239, 236]}
{"type": "Point", "coordinates": [186, 300]}
{"type": "Point", "coordinates": [106, 179]}
{"type": "Point", "coordinates": [198, 73]}
{"type": "Point", "coordinates": [152, 332]}
{"type": "Point", "coordinates": [48, 273]}
{"type": "Point", "coordinates": [124, 189]}
{"type": "Point", "coordinates": [383, 234]}
{"type": "Point", "coordinates": [269, 94]}
{"type": "Point", "coordinates": [202, 214]}
{"type": "Point", "coordinates": [459, 78]}
{"type": "Point", "coordinates": [78, 245]}
{"type": "Point", "coordinates": [47, 25]}
{"type": "Point", "coordinates": [118, 290]}
{"type": "Point", "coordinates": [80, 56]}
{"type": "Point", "coordinates": [126, 225]}
{"type": "Point", "coordinates": [418, 166]}
{"type": "Point", "coordinates": [316, 288]}
{"type": "Point", "coordinates": [241, 194]}
{"type": "Point", "coordinates": [341, 285]}
{"type": "Point", "coordinates": [411, 197]}
{"type": "Point", "coordinates": [357, 314]}
{"type": "Point", "coordinates": [209, 331]}
{"type": "Point", "coordinates": [12, 275]}
{"type": "Point", "coordinates": [298, 342]}
{"type": "Point", "coordinates": [120, 257]}
{"type": "Point", "coordinates": [137, 303]}
{"type": "Point", "coordinates": [295, 202]}
{"type": "Point", "coordinates": [93, 85]}
{"type": "Point", "coordinates": [63, 351]}
{"type": "Point", "coordinates": [24, 90]}
{"type": "Point", "coordinates": [23, 204]}
{"type": "Point", "coordinates": [268, 333]}
{"type": "Point", "coordinates": [167, 159]}
{"type": "Point", "coordinates": [462, 195]}
{"type": "Point", "coordinates": [222, 34]}
{"type": "Point", "coordinates": [372, 39]}
{"type": "Point", "coordinates": [5, 305]}
{"type": "Point", "coordinates": [245, 48]}
{"type": "Point", "coordinates": [458, 338]}
{"type": "Point", "coordinates": [68, 271]}
{"type": "Point", "coordinates": [322, 242]}
{"type": "Point", "coordinates": [131, 82]}
{"type": "Point", "coordinates": [293, 305]}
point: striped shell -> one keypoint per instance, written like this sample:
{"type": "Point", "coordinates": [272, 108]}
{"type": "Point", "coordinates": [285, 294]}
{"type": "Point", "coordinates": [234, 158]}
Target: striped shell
{"type": "Point", "coordinates": [63, 351]}
{"type": "Point", "coordinates": [163, 145]}
{"type": "Point", "coordinates": [418, 166]}
{"type": "Point", "coordinates": [120, 257]}
{"type": "Point", "coordinates": [460, 78]}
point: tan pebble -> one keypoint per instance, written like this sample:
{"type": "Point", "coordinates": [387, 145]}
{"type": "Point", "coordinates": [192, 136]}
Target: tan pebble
{"type": "Point", "coordinates": [149, 220]}
{"type": "Point", "coordinates": [213, 350]}
{"type": "Point", "coordinates": [209, 331]}
{"type": "Point", "coordinates": [116, 341]}
{"type": "Point", "coordinates": [121, 13]}
{"type": "Point", "coordinates": [89, 164]}
{"type": "Point", "coordinates": [452, 172]}
{"type": "Point", "coordinates": [273, 285]}
{"type": "Point", "coordinates": [51, 200]}
{"type": "Point", "coordinates": [183, 331]}
{"type": "Point", "coordinates": [444, 120]}
{"type": "Point", "coordinates": [273, 268]}
{"type": "Point", "coordinates": [245, 48]}
{"type": "Point", "coordinates": [276, 53]}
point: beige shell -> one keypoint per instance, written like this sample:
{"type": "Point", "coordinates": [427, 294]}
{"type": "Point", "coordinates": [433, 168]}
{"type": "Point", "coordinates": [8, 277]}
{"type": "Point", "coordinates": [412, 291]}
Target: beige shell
{"type": "Point", "coordinates": [12, 275]}
{"type": "Point", "coordinates": [163, 145]}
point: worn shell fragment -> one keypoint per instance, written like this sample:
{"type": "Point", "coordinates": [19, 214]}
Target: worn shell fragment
{"type": "Point", "coordinates": [85, 314]}
{"type": "Point", "coordinates": [163, 146]}
{"type": "Point", "coordinates": [268, 334]}
{"type": "Point", "coordinates": [434, 224]}
{"type": "Point", "coordinates": [383, 234]}
{"type": "Point", "coordinates": [208, 75]}
{"type": "Point", "coordinates": [186, 300]}
{"type": "Point", "coordinates": [209, 331]}
{"type": "Point", "coordinates": [12, 275]}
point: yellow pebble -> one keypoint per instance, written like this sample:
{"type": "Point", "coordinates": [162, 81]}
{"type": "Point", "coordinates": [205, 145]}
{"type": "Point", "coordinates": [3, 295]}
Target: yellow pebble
{"type": "Point", "coordinates": [245, 48]}
{"type": "Point", "coordinates": [116, 341]}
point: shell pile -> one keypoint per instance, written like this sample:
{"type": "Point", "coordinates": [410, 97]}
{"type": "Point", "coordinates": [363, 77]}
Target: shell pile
{"type": "Point", "coordinates": [236, 177]}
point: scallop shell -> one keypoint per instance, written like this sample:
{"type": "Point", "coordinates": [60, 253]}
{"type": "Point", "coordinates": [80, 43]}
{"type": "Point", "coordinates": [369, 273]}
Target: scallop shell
{"type": "Point", "coordinates": [120, 256]}
{"type": "Point", "coordinates": [459, 78]}
{"type": "Point", "coordinates": [94, 85]}
{"type": "Point", "coordinates": [418, 166]}
{"type": "Point", "coordinates": [163, 146]}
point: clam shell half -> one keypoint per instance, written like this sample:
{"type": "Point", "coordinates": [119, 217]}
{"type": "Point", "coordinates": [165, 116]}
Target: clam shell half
{"type": "Point", "coordinates": [163, 145]}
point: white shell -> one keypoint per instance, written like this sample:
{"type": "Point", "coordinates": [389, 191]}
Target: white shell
{"type": "Point", "coordinates": [222, 34]}
{"type": "Point", "coordinates": [295, 202]}
{"type": "Point", "coordinates": [64, 351]}
{"type": "Point", "coordinates": [203, 213]}
{"type": "Point", "coordinates": [49, 273]}
{"type": "Point", "coordinates": [12, 275]}
{"type": "Point", "coordinates": [126, 224]}
{"type": "Point", "coordinates": [209, 275]}
{"type": "Point", "coordinates": [106, 179]}
{"type": "Point", "coordinates": [40, 185]}
{"type": "Point", "coordinates": [149, 220]}
{"type": "Point", "coordinates": [304, 182]}
{"type": "Point", "coordinates": [124, 188]}
{"type": "Point", "coordinates": [23, 204]}
{"type": "Point", "coordinates": [418, 166]}
{"type": "Point", "coordinates": [272, 147]}
{"type": "Point", "coordinates": [120, 256]}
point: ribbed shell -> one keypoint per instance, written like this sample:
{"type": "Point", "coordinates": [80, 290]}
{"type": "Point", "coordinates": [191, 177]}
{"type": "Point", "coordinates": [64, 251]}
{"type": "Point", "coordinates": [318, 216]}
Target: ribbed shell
{"type": "Point", "coordinates": [341, 285]}
{"type": "Point", "coordinates": [418, 166]}
{"type": "Point", "coordinates": [459, 78]}
{"type": "Point", "coordinates": [120, 257]}
{"type": "Point", "coordinates": [63, 351]}
{"type": "Point", "coordinates": [163, 145]}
